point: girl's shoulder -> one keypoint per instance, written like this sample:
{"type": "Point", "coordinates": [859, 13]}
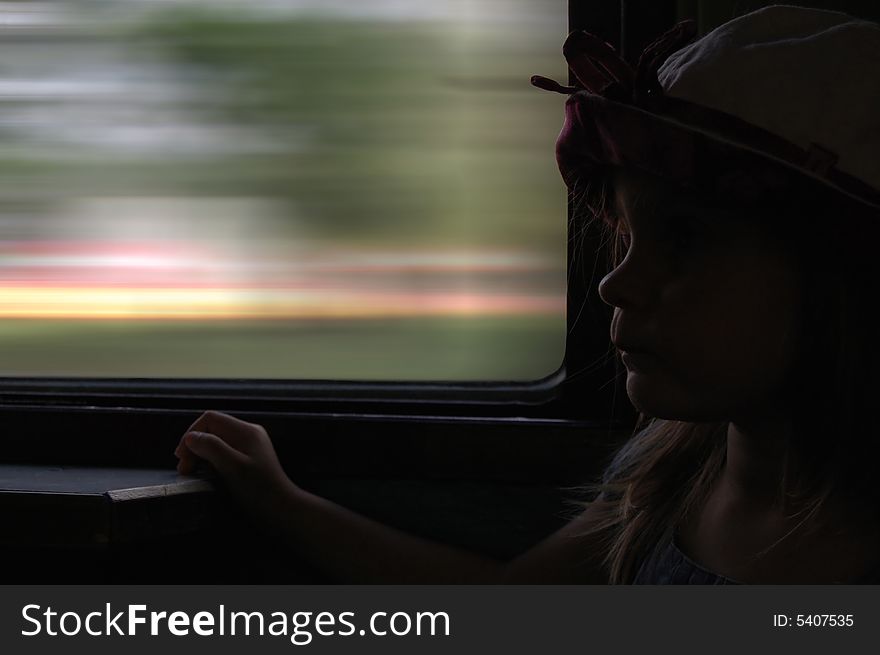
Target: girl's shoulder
{"type": "Point", "coordinates": [668, 564]}
{"type": "Point", "coordinates": [771, 547]}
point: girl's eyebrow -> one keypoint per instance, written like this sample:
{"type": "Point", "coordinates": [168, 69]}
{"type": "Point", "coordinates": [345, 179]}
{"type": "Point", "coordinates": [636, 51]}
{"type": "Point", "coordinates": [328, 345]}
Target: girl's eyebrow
{"type": "Point", "coordinates": [658, 209]}
{"type": "Point", "coordinates": [702, 212]}
{"type": "Point", "coordinates": [671, 202]}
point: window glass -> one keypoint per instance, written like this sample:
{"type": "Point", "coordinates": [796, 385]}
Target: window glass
{"type": "Point", "coordinates": [281, 189]}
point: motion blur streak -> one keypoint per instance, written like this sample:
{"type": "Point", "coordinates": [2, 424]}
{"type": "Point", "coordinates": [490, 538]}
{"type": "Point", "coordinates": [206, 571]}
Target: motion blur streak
{"type": "Point", "coordinates": [258, 163]}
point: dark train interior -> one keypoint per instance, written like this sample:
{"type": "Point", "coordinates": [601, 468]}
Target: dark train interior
{"type": "Point", "coordinates": [88, 487]}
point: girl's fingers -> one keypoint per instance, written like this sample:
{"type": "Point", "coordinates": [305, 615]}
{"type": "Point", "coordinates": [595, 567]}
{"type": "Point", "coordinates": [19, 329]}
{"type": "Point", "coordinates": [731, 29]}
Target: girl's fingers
{"type": "Point", "coordinates": [234, 431]}
{"type": "Point", "coordinates": [219, 454]}
{"type": "Point", "coordinates": [207, 419]}
{"type": "Point", "coordinates": [188, 460]}
{"type": "Point", "coordinates": [223, 441]}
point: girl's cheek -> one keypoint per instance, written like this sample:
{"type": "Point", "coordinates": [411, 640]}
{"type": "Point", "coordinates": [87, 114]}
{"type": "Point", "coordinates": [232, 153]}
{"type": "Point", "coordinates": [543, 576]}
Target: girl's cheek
{"type": "Point", "coordinates": [688, 289]}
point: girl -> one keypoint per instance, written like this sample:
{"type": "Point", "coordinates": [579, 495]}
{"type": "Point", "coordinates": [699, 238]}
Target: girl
{"type": "Point", "coordinates": [739, 180]}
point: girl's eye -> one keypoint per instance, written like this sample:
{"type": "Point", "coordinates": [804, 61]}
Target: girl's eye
{"type": "Point", "coordinates": [682, 232]}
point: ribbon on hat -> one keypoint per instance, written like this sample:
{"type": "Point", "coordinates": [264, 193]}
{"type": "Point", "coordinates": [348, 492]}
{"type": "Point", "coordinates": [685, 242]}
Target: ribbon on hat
{"type": "Point", "coordinates": [600, 70]}
{"type": "Point", "coordinates": [647, 90]}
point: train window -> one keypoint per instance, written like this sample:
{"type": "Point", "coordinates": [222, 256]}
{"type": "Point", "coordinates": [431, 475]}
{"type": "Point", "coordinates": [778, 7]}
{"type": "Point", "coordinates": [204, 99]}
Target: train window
{"type": "Point", "coordinates": [275, 190]}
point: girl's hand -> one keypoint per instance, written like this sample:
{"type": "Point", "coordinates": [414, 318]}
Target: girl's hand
{"type": "Point", "coordinates": [241, 453]}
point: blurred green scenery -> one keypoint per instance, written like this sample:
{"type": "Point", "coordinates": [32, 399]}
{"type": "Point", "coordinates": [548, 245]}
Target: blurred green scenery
{"type": "Point", "coordinates": [281, 189]}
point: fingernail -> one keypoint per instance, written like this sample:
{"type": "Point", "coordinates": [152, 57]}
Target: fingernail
{"type": "Point", "coordinates": [194, 436]}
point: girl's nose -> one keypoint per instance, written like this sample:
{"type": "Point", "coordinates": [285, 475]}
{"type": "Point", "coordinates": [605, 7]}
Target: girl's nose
{"type": "Point", "coordinates": [626, 285]}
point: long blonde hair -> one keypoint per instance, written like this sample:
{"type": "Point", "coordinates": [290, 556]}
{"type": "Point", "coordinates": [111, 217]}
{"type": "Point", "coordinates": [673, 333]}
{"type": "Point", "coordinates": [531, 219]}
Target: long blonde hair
{"type": "Point", "coordinates": [661, 474]}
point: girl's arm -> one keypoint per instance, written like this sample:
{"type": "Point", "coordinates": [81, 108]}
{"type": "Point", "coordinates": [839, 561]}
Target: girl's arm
{"type": "Point", "coordinates": [352, 548]}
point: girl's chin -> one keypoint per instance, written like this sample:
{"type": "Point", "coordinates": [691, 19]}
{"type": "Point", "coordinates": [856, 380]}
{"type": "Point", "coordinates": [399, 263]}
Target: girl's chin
{"type": "Point", "coordinates": [659, 399]}
{"type": "Point", "coordinates": [645, 396]}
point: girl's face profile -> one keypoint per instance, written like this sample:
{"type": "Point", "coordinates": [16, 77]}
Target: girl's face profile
{"type": "Point", "coordinates": [706, 306]}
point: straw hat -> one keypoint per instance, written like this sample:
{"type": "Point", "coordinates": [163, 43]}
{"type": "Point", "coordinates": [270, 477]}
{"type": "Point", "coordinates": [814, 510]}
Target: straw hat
{"type": "Point", "coordinates": [768, 99]}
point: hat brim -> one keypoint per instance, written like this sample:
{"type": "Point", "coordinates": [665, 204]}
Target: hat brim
{"type": "Point", "coordinates": [695, 148]}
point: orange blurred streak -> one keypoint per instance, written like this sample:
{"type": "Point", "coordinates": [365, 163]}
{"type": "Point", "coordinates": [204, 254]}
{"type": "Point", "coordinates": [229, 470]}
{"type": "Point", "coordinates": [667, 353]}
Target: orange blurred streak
{"type": "Point", "coordinates": [224, 304]}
